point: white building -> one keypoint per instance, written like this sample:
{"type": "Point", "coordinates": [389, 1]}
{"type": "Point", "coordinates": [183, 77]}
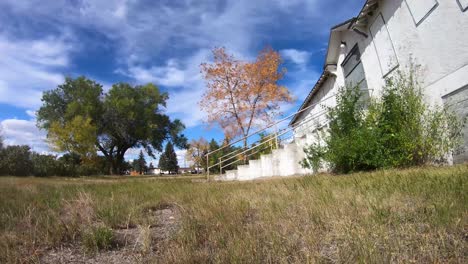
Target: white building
{"type": "Point", "coordinates": [154, 171]}
{"type": "Point", "coordinates": [387, 35]}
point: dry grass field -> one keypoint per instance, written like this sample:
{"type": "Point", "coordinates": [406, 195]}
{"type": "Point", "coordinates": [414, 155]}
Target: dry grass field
{"type": "Point", "coordinates": [415, 215]}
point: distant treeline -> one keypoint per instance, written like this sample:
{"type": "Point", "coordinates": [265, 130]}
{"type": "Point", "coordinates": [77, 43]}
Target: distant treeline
{"type": "Point", "coordinates": [21, 161]}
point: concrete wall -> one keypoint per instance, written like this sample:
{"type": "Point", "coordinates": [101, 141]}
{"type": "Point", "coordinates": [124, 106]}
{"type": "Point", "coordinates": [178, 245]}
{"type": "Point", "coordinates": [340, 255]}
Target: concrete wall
{"type": "Point", "coordinates": [458, 102]}
{"type": "Point", "coordinates": [439, 43]}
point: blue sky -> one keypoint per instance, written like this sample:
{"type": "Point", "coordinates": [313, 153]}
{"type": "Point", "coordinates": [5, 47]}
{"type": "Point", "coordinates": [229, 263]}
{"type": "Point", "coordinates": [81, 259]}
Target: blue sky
{"type": "Point", "coordinates": [163, 42]}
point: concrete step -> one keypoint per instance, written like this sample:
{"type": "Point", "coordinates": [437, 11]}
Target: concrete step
{"type": "Point", "coordinates": [275, 161]}
{"type": "Point", "coordinates": [231, 175]}
{"type": "Point", "coordinates": [220, 178]}
{"type": "Point", "coordinates": [281, 162]}
{"type": "Point", "coordinates": [267, 167]}
{"type": "Point", "coordinates": [243, 173]}
{"type": "Point", "coordinates": [255, 169]}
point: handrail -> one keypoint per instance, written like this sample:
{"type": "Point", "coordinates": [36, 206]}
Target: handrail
{"type": "Point", "coordinates": [264, 129]}
{"type": "Point", "coordinates": [269, 126]}
{"type": "Point", "coordinates": [230, 153]}
{"type": "Point", "coordinates": [306, 121]}
{"type": "Point", "coordinates": [222, 167]}
{"type": "Point", "coordinates": [285, 131]}
{"type": "Point", "coordinates": [302, 123]}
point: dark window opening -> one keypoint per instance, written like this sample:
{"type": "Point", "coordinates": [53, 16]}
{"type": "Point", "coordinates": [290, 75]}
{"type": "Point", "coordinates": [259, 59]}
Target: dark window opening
{"type": "Point", "coordinates": [351, 61]}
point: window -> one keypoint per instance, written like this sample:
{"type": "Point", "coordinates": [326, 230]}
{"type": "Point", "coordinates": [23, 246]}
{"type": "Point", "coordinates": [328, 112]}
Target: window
{"type": "Point", "coordinates": [351, 61]}
{"type": "Point", "coordinates": [383, 46]}
{"type": "Point", "coordinates": [420, 9]}
{"type": "Point", "coordinates": [463, 4]}
{"type": "Point", "coordinates": [353, 70]}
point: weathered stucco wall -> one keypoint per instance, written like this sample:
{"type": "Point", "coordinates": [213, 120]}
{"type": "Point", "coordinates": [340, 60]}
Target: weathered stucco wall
{"type": "Point", "coordinates": [431, 34]}
{"type": "Point", "coordinates": [458, 102]}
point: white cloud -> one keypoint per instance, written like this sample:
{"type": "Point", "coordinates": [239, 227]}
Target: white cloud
{"type": "Point", "coordinates": [24, 132]}
{"type": "Point", "coordinates": [167, 75]}
{"type": "Point", "coordinates": [299, 57]}
{"type": "Point", "coordinates": [31, 114]}
{"type": "Point", "coordinates": [29, 67]}
{"type": "Point", "coordinates": [184, 80]}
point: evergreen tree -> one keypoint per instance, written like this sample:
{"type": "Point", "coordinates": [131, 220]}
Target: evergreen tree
{"type": "Point", "coordinates": [168, 159]}
{"type": "Point", "coordinates": [139, 164]}
{"type": "Point", "coordinates": [214, 157]}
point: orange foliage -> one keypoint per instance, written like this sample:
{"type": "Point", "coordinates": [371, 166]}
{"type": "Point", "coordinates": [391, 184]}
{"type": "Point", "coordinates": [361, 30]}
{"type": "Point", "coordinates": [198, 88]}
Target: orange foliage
{"type": "Point", "coordinates": [240, 94]}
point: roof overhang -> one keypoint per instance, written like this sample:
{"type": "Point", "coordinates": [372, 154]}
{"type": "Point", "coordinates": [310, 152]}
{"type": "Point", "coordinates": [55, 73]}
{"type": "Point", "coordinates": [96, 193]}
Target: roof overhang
{"type": "Point", "coordinates": [357, 24]}
{"type": "Point", "coordinates": [323, 77]}
{"type": "Point", "coordinates": [361, 22]}
{"type": "Point", "coordinates": [334, 42]}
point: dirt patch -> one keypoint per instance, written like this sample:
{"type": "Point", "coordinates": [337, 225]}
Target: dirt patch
{"type": "Point", "coordinates": [132, 244]}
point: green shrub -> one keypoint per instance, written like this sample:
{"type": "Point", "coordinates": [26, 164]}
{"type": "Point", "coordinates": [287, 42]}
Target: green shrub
{"type": "Point", "coordinates": [98, 238]}
{"type": "Point", "coordinates": [398, 129]}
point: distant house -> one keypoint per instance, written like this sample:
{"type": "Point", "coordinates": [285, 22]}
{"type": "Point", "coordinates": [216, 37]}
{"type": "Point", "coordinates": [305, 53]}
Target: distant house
{"type": "Point", "coordinates": [154, 171]}
{"type": "Point", "coordinates": [185, 170]}
{"type": "Point", "coordinates": [388, 35]}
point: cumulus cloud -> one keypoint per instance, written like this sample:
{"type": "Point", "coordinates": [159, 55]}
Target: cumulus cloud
{"type": "Point", "coordinates": [28, 67]}
{"type": "Point", "coordinates": [184, 81]}
{"type": "Point", "coordinates": [299, 57]}
{"type": "Point", "coordinates": [24, 132]}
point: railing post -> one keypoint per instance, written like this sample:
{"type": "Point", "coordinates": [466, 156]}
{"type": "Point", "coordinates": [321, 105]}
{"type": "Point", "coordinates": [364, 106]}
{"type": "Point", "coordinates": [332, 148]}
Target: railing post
{"type": "Point", "coordinates": [220, 167]}
{"type": "Point", "coordinates": [207, 168]}
{"type": "Point", "coordinates": [276, 136]}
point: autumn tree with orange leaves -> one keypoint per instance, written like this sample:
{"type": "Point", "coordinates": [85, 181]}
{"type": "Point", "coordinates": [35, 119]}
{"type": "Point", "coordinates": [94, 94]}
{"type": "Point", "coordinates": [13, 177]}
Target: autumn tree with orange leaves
{"type": "Point", "coordinates": [241, 95]}
{"type": "Point", "coordinates": [197, 151]}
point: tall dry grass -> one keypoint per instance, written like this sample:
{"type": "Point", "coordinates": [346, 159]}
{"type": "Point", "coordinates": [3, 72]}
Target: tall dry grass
{"type": "Point", "coordinates": [415, 215]}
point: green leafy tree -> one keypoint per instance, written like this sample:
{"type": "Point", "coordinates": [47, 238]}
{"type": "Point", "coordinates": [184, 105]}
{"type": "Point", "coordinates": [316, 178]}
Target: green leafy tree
{"type": "Point", "coordinates": [168, 159]}
{"type": "Point", "coordinates": [1, 141]}
{"type": "Point", "coordinates": [214, 157]}
{"type": "Point", "coordinates": [45, 165]}
{"type": "Point", "coordinates": [227, 162]}
{"type": "Point", "coordinates": [80, 118]}
{"type": "Point", "coordinates": [266, 145]}
{"type": "Point", "coordinates": [69, 164]}
{"type": "Point", "coordinates": [16, 161]}
{"type": "Point", "coordinates": [139, 164]}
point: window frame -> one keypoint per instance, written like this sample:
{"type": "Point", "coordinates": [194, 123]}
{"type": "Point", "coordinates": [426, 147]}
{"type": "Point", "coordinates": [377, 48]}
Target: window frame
{"type": "Point", "coordinates": [417, 23]}
{"type": "Point", "coordinates": [348, 57]}
{"type": "Point", "coordinates": [463, 9]}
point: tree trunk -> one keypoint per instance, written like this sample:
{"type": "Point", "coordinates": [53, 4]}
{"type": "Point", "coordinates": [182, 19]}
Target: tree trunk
{"type": "Point", "coordinates": [113, 170]}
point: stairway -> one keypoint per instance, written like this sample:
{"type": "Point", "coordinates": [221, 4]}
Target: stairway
{"type": "Point", "coordinates": [281, 162]}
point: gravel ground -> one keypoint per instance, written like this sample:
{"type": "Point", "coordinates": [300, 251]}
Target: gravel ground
{"type": "Point", "coordinates": [133, 245]}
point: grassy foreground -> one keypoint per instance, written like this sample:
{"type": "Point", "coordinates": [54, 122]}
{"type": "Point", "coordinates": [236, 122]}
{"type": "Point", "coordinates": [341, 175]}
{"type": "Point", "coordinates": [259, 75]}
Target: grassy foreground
{"type": "Point", "coordinates": [415, 215]}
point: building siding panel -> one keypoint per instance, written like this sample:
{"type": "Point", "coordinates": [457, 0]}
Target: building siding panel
{"type": "Point", "coordinates": [383, 45]}
{"type": "Point", "coordinates": [458, 103]}
{"type": "Point", "coordinates": [420, 9]}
